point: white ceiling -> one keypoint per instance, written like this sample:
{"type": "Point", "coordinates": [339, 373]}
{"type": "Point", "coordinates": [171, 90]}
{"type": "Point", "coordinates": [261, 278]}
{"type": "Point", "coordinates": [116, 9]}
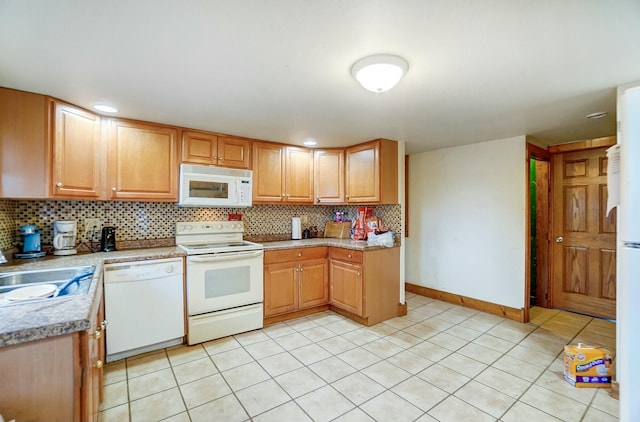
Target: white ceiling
{"type": "Point", "coordinates": [280, 69]}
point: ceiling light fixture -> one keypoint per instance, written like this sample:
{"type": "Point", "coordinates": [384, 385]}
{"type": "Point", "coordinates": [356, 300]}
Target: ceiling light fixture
{"type": "Point", "coordinates": [379, 73]}
{"type": "Point", "coordinates": [310, 142]}
{"type": "Point", "coordinates": [105, 108]}
{"type": "Point", "coordinates": [598, 115]}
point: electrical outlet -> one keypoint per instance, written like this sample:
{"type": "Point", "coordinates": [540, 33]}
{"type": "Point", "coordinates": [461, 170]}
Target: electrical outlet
{"type": "Point", "coordinates": [89, 224]}
{"type": "Point", "coordinates": [304, 219]}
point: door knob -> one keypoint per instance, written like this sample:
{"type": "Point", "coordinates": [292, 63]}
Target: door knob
{"type": "Point", "coordinates": [559, 239]}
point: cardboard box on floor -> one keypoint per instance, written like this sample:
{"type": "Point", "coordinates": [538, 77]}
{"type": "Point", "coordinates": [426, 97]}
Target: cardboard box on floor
{"type": "Point", "coordinates": [587, 366]}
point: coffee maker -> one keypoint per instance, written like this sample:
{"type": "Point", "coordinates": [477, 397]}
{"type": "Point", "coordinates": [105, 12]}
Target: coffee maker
{"type": "Point", "coordinates": [108, 239]}
{"type": "Point", "coordinates": [64, 237]}
{"type": "Point", "coordinates": [30, 243]}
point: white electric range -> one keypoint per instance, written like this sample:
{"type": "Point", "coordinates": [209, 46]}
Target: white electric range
{"type": "Point", "coordinates": [224, 279]}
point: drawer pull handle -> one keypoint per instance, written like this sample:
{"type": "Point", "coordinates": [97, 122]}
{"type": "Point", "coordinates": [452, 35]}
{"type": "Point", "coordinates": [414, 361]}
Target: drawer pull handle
{"type": "Point", "coordinates": [97, 334]}
{"type": "Point", "coordinates": [99, 364]}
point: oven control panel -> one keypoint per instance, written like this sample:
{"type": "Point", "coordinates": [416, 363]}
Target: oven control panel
{"type": "Point", "coordinates": [209, 227]}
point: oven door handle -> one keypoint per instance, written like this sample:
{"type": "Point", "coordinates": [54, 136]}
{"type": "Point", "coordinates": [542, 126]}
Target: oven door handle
{"type": "Point", "coordinates": [224, 256]}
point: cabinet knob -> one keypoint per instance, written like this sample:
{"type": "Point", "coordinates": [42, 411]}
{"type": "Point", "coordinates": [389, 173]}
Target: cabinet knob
{"type": "Point", "coordinates": [358, 273]}
{"type": "Point", "coordinates": [349, 256]}
{"type": "Point", "coordinates": [99, 364]}
{"type": "Point", "coordinates": [301, 269]}
{"type": "Point", "coordinates": [59, 184]}
{"type": "Point", "coordinates": [113, 189]}
{"type": "Point", "coordinates": [103, 325]}
{"type": "Point", "coordinates": [299, 253]}
{"type": "Point", "coordinates": [97, 334]}
{"type": "Point", "coordinates": [297, 269]}
{"type": "Point", "coordinates": [318, 200]}
{"type": "Point", "coordinates": [284, 195]}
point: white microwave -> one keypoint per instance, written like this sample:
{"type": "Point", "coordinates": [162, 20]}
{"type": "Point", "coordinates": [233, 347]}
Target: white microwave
{"type": "Point", "coordinates": [207, 186]}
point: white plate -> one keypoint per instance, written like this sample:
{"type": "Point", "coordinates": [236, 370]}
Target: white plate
{"type": "Point", "coordinates": [31, 292]}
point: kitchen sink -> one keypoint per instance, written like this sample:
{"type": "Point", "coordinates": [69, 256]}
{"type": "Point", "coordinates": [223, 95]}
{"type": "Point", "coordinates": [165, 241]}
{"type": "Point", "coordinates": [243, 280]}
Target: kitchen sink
{"type": "Point", "coordinates": [54, 276]}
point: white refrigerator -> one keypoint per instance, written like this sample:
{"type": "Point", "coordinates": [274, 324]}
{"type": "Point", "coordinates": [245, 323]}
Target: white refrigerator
{"type": "Point", "coordinates": [628, 254]}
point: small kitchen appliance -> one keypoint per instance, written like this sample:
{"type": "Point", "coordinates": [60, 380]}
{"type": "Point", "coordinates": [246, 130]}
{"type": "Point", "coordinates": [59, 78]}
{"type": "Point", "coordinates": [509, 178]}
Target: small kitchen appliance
{"type": "Point", "coordinates": [210, 186]}
{"type": "Point", "coordinates": [30, 243]}
{"type": "Point", "coordinates": [108, 239]}
{"type": "Point", "coordinates": [64, 237]}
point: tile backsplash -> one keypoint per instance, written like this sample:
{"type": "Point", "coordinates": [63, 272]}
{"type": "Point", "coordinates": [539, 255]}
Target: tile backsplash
{"type": "Point", "coordinates": [156, 220]}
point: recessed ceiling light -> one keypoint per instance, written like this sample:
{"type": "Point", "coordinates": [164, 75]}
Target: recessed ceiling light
{"type": "Point", "coordinates": [310, 142]}
{"type": "Point", "coordinates": [598, 115]}
{"type": "Point", "coordinates": [379, 73]}
{"type": "Point", "coordinates": [105, 108]}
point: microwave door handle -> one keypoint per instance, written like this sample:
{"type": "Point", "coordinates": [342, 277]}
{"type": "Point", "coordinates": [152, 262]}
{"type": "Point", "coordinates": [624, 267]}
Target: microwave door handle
{"type": "Point", "coordinates": [224, 256]}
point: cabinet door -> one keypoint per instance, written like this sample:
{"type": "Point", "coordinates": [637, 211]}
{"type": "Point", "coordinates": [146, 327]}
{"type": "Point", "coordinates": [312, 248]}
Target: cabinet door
{"type": "Point", "coordinates": [92, 354]}
{"type": "Point", "coordinates": [314, 283]}
{"type": "Point", "coordinates": [143, 162]}
{"type": "Point", "coordinates": [199, 147]}
{"type": "Point", "coordinates": [363, 173]}
{"type": "Point", "coordinates": [23, 146]}
{"type": "Point", "coordinates": [77, 153]}
{"type": "Point", "coordinates": [346, 286]}
{"type": "Point", "coordinates": [234, 152]}
{"type": "Point", "coordinates": [280, 288]}
{"type": "Point", "coordinates": [328, 177]}
{"type": "Point", "coordinates": [268, 172]}
{"type": "Point", "coordinates": [299, 175]}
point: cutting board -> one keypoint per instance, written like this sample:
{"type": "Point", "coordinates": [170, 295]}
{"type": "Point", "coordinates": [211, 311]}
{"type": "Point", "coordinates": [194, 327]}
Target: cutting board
{"type": "Point", "coordinates": [336, 230]}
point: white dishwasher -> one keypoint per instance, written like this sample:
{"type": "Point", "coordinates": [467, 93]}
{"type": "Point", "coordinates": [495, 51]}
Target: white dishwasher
{"type": "Point", "coordinates": [144, 304]}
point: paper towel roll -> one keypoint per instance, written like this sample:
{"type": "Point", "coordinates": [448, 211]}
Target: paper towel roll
{"type": "Point", "coordinates": [296, 228]}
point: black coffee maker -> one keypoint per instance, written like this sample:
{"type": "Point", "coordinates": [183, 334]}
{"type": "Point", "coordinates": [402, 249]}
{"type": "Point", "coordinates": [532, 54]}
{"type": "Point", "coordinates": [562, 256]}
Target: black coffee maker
{"type": "Point", "coordinates": [108, 239]}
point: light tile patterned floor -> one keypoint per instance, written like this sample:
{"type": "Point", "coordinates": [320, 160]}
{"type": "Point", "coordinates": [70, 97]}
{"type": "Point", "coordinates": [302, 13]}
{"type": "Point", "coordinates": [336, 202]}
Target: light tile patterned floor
{"type": "Point", "coordinates": [441, 362]}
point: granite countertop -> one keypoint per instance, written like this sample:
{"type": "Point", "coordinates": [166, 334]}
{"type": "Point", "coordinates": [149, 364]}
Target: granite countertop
{"type": "Point", "coordinates": [24, 322]}
{"type": "Point", "coordinates": [360, 245]}
{"type": "Point", "coordinates": [20, 323]}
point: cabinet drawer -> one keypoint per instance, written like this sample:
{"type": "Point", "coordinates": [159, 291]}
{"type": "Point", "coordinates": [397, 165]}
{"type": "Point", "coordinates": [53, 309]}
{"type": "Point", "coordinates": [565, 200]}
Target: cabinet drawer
{"type": "Point", "coordinates": [296, 254]}
{"type": "Point", "coordinates": [347, 255]}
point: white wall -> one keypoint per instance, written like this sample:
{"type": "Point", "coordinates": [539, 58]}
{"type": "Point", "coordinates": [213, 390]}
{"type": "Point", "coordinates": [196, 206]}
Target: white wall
{"type": "Point", "coordinates": [467, 221]}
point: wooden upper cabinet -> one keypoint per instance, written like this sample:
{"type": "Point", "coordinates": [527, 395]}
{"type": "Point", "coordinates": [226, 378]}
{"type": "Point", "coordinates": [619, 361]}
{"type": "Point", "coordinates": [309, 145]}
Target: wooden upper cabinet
{"type": "Point", "coordinates": [143, 161]}
{"type": "Point", "coordinates": [372, 172]}
{"type": "Point", "coordinates": [211, 149]}
{"type": "Point", "coordinates": [199, 147]}
{"type": "Point", "coordinates": [282, 173]}
{"type": "Point", "coordinates": [298, 180]}
{"type": "Point", "coordinates": [23, 155]}
{"type": "Point", "coordinates": [328, 177]}
{"type": "Point", "coordinates": [77, 152]}
{"type": "Point", "coordinates": [234, 152]}
{"type": "Point", "coordinates": [268, 172]}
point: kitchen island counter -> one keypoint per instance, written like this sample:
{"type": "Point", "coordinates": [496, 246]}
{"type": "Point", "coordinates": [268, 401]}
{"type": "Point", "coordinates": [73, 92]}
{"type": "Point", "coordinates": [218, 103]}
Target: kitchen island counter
{"type": "Point", "coordinates": [24, 322]}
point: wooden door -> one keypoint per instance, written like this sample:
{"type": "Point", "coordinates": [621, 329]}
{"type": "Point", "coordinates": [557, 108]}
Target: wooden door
{"type": "Point", "coordinates": [314, 283]}
{"type": "Point", "coordinates": [328, 177]}
{"type": "Point", "coordinates": [234, 152]}
{"type": "Point", "coordinates": [199, 147]}
{"type": "Point", "coordinates": [143, 161]}
{"type": "Point", "coordinates": [363, 173]}
{"type": "Point", "coordinates": [280, 288]}
{"type": "Point", "coordinates": [299, 175]}
{"type": "Point", "coordinates": [77, 153]}
{"type": "Point", "coordinates": [268, 172]}
{"type": "Point", "coordinates": [584, 237]}
{"type": "Point", "coordinates": [346, 286]}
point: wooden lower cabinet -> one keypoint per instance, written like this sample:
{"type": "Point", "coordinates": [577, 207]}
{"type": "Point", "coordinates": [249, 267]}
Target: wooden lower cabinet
{"type": "Point", "coordinates": [54, 379]}
{"type": "Point", "coordinates": [346, 286]}
{"type": "Point", "coordinates": [295, 279]}
{"type": "Point", "coordinates": [365, 284]}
